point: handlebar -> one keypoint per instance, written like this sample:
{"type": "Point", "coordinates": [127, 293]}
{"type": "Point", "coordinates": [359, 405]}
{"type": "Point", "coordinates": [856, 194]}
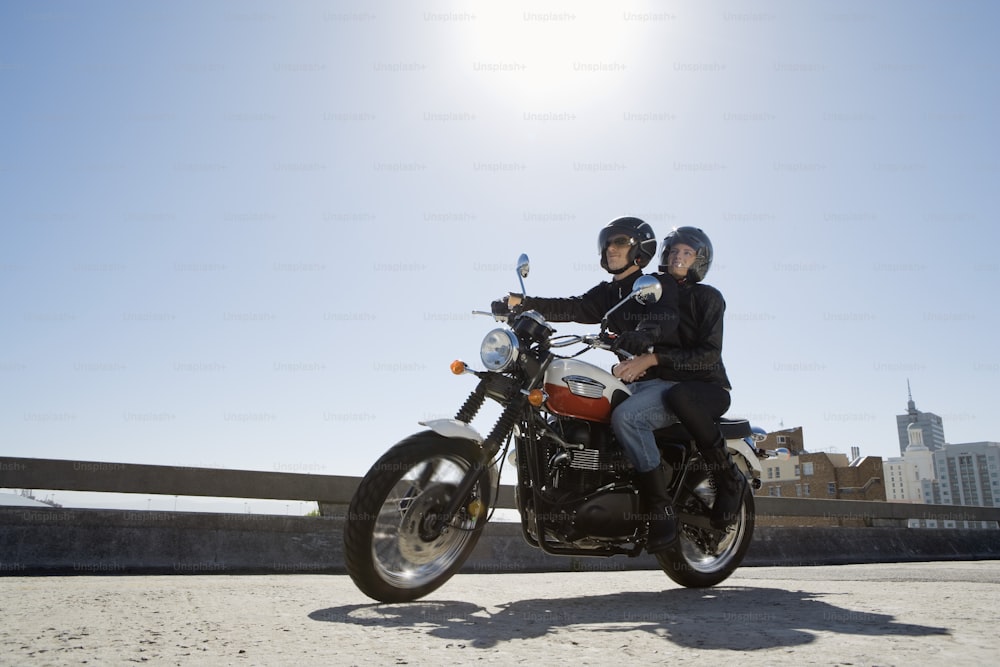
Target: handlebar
{"type": "Point", "coordinates": [590, 340]}
{"type": "Point", "coordinates": [598, 341]}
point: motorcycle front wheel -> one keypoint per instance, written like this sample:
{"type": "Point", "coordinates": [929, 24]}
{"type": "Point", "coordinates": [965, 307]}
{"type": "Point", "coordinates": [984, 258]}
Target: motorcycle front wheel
{"type": "Point", "coordinates": [394, 549]}
{"type": "Point", "coordinates": [704, 557]}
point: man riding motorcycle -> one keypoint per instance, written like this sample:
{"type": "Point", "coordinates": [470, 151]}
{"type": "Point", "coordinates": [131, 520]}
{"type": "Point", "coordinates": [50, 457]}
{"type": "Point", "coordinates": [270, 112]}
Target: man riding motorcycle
{"type": "Point", "coordinates": [626, 245]}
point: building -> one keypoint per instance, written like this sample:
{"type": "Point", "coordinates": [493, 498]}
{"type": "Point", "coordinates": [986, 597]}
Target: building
{"type": "Point", "coordinates": [900, 480]}
{"type": "Point", "coordinates": [823, 475]}
{"type": "Point", "coordinates": [965, 474]}
{"type": "Point", "coordinates": [820, 475]}
{"type": "Point", "coordinates": [929, 423]}
{"type": "Point", "coordinates": [905, 476]}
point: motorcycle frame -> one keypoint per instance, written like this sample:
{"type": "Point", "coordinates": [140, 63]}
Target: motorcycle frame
{"type": "Point", "coordinates": [677, 488]}
{"type": "Point", "coordinates": [503, 388]}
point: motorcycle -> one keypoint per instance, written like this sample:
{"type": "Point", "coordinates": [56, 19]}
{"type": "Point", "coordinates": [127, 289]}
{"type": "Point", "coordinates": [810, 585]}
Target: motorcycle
{"type": "Point", "coordinates": [420, 510]}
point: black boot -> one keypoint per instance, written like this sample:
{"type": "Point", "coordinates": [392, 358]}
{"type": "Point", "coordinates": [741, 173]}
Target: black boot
{"type": "Point", "coordinates": [658, 510]}
{"type": "Point", "coordinates": [730, 484]}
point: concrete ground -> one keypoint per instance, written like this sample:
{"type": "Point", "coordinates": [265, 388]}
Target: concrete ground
{"type": "Point", "coordinates": [942, 613]}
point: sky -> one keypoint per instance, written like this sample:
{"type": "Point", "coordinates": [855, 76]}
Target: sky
{"type": "Point", "coordinates": [250, 235]}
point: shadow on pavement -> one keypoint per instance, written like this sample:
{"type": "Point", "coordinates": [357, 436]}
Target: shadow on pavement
{"type": "Point", "coordinates": [718, 618]}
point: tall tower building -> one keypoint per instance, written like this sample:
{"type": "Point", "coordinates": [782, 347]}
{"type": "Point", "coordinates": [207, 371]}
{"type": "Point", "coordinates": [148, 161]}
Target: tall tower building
{"type": "Point", "coordinates": [930, 425]}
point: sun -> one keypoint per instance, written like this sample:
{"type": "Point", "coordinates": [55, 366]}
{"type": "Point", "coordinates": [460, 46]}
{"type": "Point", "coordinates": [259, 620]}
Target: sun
{"type": "Point", "coordinates": [543, 60]}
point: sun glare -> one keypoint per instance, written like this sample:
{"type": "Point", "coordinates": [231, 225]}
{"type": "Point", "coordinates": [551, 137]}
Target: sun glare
{"type": "Point", "coordinates": [547, 60]}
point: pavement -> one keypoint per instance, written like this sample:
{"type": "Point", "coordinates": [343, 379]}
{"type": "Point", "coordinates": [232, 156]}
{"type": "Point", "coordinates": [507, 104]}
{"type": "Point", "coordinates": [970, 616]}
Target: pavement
{"type": "Point", "coordinates": [942, 613]}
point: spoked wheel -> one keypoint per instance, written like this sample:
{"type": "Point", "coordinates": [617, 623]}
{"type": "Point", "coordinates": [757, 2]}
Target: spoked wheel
{"type": "Point", "coordinates": [704, 556]}
{"type": "Point", "coordinates": [394, 546]}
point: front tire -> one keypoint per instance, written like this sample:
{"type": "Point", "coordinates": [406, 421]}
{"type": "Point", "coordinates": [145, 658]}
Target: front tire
{"type": "Point", "coordinates": [392, 550]}
{"type": "Point", "coordinates": [703, 556]}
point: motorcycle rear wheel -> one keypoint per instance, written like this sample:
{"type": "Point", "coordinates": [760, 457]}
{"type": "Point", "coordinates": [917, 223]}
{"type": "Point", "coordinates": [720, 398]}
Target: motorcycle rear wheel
{"type": "Point", "coordinates": [700, 559]}
{"type": "Point", "coordinates": [391, 549]}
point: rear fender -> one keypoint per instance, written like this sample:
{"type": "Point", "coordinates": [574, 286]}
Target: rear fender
{"type": "Point", "coordinates": [743, 449]}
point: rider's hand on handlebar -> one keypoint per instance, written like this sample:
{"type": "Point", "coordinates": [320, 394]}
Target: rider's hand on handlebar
{"type": "Point", "coordinates": [507, 306]}
{"type": "Point", "coordinates": [633, 342]}
{"type": "Point", "coordinates": [607, 338]}
{"type": "Point", "coordinates": [499, 308]}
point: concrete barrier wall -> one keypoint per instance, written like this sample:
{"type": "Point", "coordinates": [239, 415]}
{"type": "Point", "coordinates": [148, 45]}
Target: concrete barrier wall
{"type": "Point", "coordinates": [68, 541]}
{"type": "Point", "coordinates": [76, 541]}
{"type": "Point", "coordinates": [333, 491]}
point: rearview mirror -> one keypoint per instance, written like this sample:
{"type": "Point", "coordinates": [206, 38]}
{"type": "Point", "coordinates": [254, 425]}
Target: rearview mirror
{"type": "Point", "coordinates": [646, 290]}
{"type": "Point", "coordinates": [522, 270]}
{"type": "Point", "coordinates": [523, 265]}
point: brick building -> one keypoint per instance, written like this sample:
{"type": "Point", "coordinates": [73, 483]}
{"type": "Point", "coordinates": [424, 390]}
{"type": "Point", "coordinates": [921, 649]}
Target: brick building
{"type": "Point", "coordinates": [823, 475]}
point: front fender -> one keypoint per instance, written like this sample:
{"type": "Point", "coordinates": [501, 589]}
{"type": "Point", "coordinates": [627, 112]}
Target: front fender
{"type": "Point", "coordinates": [452, 428]}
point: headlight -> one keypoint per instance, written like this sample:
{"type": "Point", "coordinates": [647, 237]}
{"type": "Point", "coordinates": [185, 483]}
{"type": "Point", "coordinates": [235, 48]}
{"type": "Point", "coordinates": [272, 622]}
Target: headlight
{"type": "Point", "coordinates": [499, 349]}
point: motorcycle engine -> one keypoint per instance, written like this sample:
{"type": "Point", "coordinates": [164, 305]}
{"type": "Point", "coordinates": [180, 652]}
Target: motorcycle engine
{"type": "Point", "coordinates": [594, 461]}
{"type": "Point", "coordinates": [581, 481]}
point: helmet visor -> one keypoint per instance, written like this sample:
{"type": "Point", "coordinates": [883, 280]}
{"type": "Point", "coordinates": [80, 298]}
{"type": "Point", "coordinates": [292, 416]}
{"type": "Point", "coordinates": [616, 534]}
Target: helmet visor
{"type": "Point", "coordinates": [620, 242]}
{"type": "Point", "coordinates": [617, 237]}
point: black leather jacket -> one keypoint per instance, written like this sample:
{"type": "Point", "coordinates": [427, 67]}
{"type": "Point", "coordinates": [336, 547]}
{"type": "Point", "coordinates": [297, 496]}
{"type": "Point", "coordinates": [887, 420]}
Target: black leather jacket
{"type": "Point", "coordinates": [699, 354]}
{"type": "Point", "coordinates": [659, 318]}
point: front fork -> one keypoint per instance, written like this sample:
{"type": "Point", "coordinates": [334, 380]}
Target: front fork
{"type": "Point", "coordinates": [516, 397]}
{"type": "Point", "coordinates": [491, 446]}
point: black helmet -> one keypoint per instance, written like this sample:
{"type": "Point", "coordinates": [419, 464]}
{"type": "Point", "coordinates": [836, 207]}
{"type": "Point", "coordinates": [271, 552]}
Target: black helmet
{"type": "Point", "coordinates": [698, 240]}
{"type": "Point", "coordinates": [643, 249]}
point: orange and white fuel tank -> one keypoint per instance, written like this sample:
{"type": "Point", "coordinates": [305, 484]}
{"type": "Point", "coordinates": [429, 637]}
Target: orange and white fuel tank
{"type": "Point", "coordinates": [578, 389]}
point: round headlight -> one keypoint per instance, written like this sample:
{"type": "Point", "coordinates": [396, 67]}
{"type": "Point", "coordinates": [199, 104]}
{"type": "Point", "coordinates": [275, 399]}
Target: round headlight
{"type": "Point", "coordinates": [499, 349]}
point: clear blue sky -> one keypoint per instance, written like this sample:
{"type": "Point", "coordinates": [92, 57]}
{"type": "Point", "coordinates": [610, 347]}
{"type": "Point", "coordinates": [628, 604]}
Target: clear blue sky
{"type": "Point", "coordinates": [249, 235]}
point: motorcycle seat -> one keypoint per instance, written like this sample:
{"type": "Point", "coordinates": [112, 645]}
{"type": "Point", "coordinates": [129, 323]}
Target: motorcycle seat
{"type": "Point", "coordinates": [732, 429]}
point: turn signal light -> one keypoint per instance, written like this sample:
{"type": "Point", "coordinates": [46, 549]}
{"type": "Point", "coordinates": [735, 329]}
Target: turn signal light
{"type": "Point", "coordinates": [536, 397]}
{"type": "Point", "coordinates": [458, 367]}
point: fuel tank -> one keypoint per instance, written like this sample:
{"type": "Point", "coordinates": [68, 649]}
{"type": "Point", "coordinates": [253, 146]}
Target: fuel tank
{"type": "Point", "coordinates": [578, 389]}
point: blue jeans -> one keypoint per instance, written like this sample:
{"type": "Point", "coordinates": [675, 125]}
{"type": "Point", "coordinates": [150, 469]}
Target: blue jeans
{"type": "Point", "coordinates": [637, 417]}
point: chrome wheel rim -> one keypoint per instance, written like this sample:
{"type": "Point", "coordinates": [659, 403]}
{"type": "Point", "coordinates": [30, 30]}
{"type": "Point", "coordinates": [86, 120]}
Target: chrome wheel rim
{"type": "Point", "coordinates": [406, 550]}
{"type": "Point", "coordinates": [719, 557]}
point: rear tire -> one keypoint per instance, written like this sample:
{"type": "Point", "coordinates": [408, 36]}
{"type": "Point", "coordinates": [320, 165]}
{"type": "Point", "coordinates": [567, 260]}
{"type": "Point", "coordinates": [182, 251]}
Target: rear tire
{"type": "Point", "coordinates": [391, 550]}
{"type": "Point", "coordinates": [704, 557]}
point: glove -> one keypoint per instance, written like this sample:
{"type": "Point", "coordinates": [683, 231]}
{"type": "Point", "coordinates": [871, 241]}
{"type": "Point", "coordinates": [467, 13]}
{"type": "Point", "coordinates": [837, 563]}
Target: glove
{"type": "Point", "coordinates": [499, 308]}
{"type": "Point", "coordinates": [634, 342]}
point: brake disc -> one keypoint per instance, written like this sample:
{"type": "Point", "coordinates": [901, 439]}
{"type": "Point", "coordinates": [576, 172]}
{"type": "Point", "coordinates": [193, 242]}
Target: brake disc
{"type": "Point", "coordinates": [419, 542]}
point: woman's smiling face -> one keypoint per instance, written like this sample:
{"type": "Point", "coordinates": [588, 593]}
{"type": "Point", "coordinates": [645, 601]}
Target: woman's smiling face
{"type": "Point", "coordinates": [679, 259]}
